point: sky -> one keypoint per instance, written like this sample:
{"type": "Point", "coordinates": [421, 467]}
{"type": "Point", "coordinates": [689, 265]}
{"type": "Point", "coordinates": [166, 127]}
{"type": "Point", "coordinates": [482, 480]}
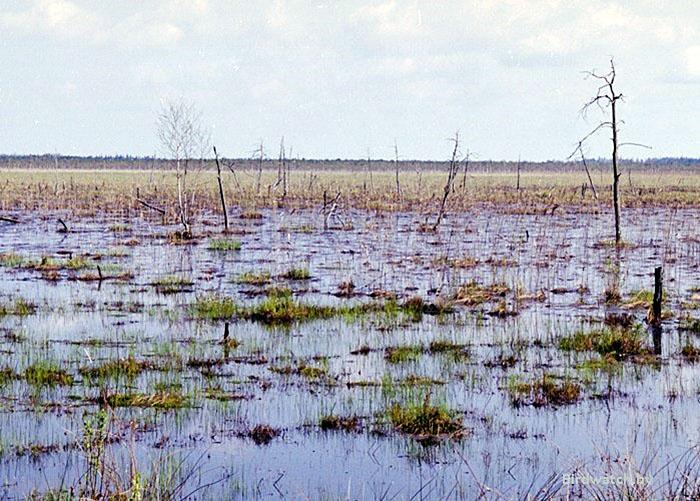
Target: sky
{"type": "Point", "coordinates": [348, 79]}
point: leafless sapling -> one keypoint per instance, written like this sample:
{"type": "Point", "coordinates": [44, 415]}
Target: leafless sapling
{"type": "Point", "coordinates": [182, 137]}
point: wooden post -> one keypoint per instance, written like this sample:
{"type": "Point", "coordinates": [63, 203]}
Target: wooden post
{"type": "Point", "coordinates": [658, 295]}
{"type": "Point", "coordinates": [325, 208]}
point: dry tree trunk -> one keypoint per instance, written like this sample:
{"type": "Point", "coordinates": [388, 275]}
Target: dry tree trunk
{"type": "Point", "coordinates": [221, 189]}
{"type": "Point", "coordinates": [449, 184]}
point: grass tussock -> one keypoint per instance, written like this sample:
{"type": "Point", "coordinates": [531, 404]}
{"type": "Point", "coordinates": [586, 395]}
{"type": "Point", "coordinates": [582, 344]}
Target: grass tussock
{"type": "Point", "coordinates": [213, 308]}
{"type": "Point", "coordinates": [618, 342]}
{"type": "Point", "coordinates": [402, 354]}
{"type": "Point", "coordinates": [690, 352]}
{"type": "Point", "coordinates": [224, 245]}
{"type": "Point", "coordinates": [20, 307]}
{"type": "Point", "coordinates": [543, 392]}
{"type": "Point", "coordinates": [263, 434]}
{"type": "Point", "coordinates": [296, 274]}
{"type": "Point", "coordinates": [126, 367]}
{"type": "Point", "coordinates": [159, 400]}
{"type": "Point", "coordinates": [252, 278]}
{"type": "Point", "coordinates": [47, 374]}
{"type": "Point", "coordinates": [333, 422]}
{"type": "Point", "coordinates": [424, 419]}
{"type": "Point", "coordinates": [473, 294]}
{"type": "Point", "coordinates": [172, 284]}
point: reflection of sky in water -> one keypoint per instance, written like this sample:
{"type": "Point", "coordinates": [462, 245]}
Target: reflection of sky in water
{"type": "Point", "coordinates": [381, 252]}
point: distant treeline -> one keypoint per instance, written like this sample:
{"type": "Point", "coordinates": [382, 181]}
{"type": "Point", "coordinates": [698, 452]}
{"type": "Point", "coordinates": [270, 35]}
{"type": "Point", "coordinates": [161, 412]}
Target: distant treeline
{"type": "Point", "coordinates": [144, 163]}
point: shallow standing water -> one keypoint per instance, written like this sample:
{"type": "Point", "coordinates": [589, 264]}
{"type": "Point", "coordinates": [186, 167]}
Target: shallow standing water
{"type": "Point", "coordinates": [631, 420]}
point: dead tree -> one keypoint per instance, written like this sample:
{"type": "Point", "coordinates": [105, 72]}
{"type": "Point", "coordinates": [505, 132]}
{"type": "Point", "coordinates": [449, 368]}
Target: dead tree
{"type": "Point", "coordinates": [221, 189]}
{"type": "Point", "coordinates": [606, 97]}
{"type": "Point", "coordinates": [451, 174]}
{"type": "Point", "coordinates": [182, 136]}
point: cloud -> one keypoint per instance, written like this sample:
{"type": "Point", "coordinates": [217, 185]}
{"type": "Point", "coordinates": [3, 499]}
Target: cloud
{"type": "Point", "coordinates": [692, 60]}
{"type": "Point", "coordinates": [59, 17]}
{"type": "Point", "coordinates": [392, 18]}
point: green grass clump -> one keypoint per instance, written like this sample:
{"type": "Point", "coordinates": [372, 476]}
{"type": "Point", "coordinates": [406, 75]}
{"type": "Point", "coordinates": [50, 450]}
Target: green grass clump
{"type": "Point", "coordinates": [311, 372]}
{"type": "Point", "coordinates": [213, 308]}
{"type": "Point", "coordinates": [252, 278]}
{"type": "Point", "coordinates": [424, 419]}
{"type": "Point", "coordinates": [160, 400]}
{"type": "Point", "coordinates": [283, 309]}
{"type": "Point", "coordinates": [78, 263]}
{"type": "Point", "coordinates": [621, 343]}
{"type": "Point", "coordinates": [47, 374]}
{"type": "Point", "coordinates": [448, 347]}
{"type": "Point", "coordinates": [401, 354]}
{"type": "Point", "coordinates": [606, 363]}
{"type": "Point", "coordinates": [11, 260]}
{"type": "Point", "coordinates": [126, 367]}
{"type": "Point", "coordinates": [543, 392]}
{"type": "Point", "coordinates": [297, 274]}
{"type": "Point", "coordinates": [224, 244]}
{"type": "Point", "coordinates": [171, 284]}
{"type": "Point", "coordinates": [6, 375]}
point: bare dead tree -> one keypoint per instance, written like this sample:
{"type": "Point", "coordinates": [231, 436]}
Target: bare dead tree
{"type": "Point", "coordinates": [606, 97]}
{"type": "Point", "coordinates": [449, 184]}
{"type": "Point", "coordinates": [221, 189]}
{"type": "Point", "coordinates": [182, 137]}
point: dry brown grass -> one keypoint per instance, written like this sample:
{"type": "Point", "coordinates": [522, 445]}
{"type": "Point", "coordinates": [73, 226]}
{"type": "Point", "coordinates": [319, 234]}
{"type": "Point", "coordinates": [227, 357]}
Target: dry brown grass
{"type": "Point", "coordinates": [89, 192]}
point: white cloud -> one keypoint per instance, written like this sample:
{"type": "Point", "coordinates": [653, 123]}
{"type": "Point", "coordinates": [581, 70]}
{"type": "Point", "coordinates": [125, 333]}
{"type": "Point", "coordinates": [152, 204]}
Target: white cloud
{"type": "Point", "coordinates": [59, 17]}
{"type": "Point", "coordinates": [392, 17]}
{"type": "Point", "coordinates": [692, 60]}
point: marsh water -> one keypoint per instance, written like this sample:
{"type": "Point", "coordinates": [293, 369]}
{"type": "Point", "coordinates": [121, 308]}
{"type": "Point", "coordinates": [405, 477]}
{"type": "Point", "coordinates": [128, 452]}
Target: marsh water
{"type": "Point", "coordinates": [633, 420]}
